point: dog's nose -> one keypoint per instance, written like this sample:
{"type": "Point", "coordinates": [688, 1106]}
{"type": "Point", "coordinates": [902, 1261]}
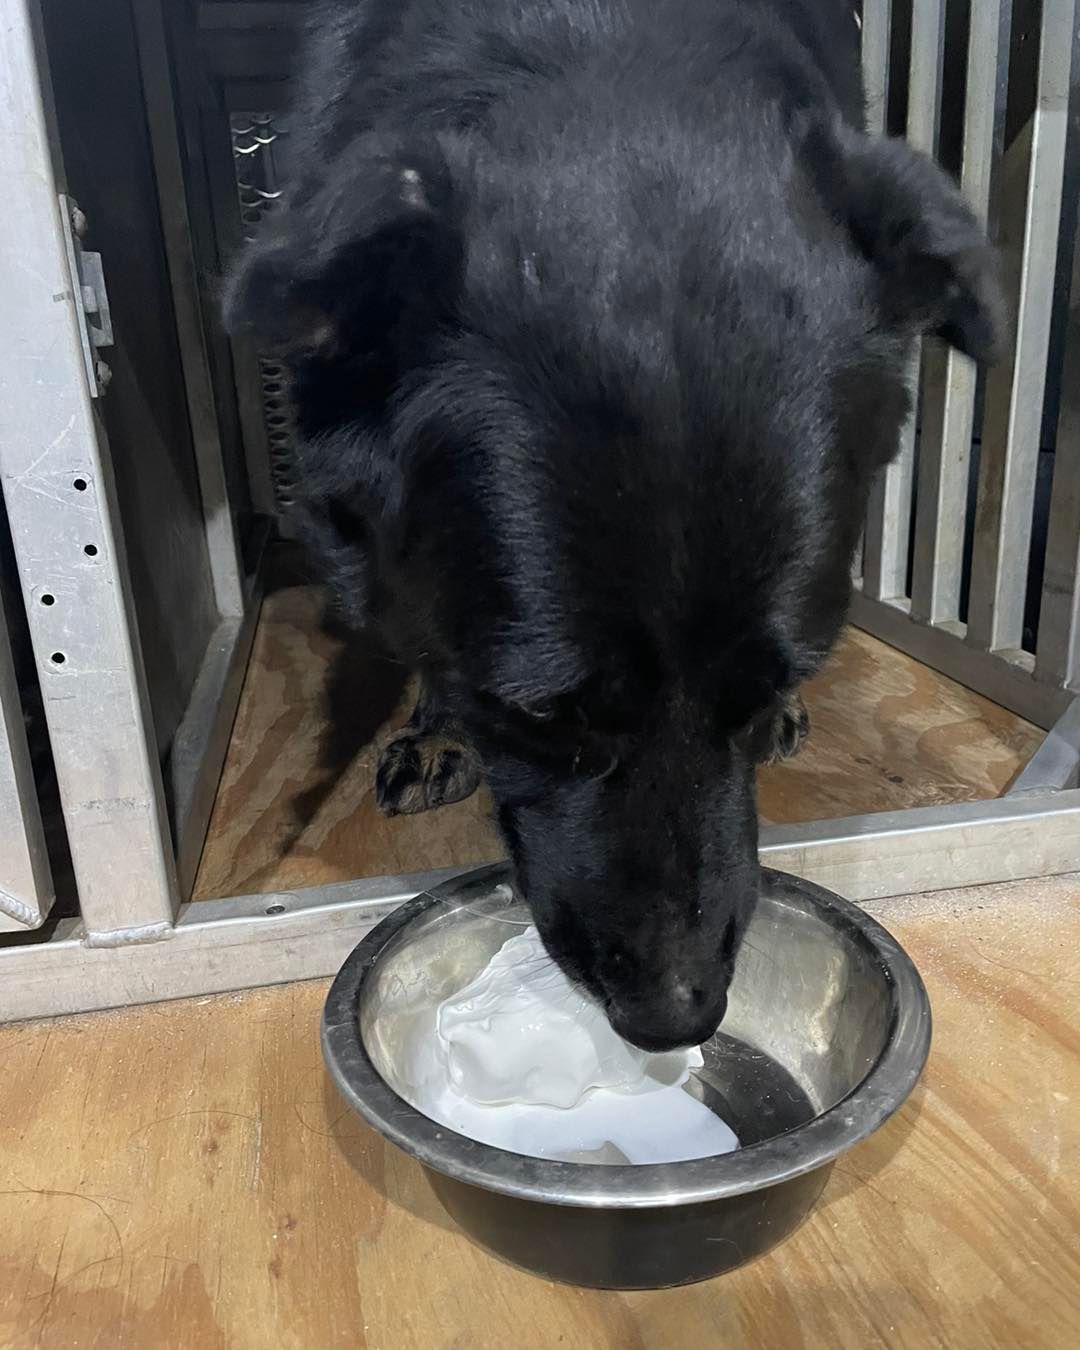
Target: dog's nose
{"type": "Point", "coordinates": [686, 1017]}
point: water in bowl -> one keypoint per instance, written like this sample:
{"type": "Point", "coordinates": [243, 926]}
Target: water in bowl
{"type": "Point", "coordinates": [696, 1103]}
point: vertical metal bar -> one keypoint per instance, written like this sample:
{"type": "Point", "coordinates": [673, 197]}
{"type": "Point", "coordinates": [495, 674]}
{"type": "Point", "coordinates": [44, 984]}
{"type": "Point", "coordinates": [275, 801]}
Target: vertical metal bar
{"type": "Point", "coordinates": [225, 565]}
{"type": "Point", "coordinates": [221, 168]}
{"type": "Point", "coordinates": [1055, 766]}
{"type": "Point", "coordinates": [948, 409]}
{"type": "Point", "coordinates": [876, 34]}
{"type": "Point", "coordinates": [26, 891]}
{"type": "Point", "coordinates": [876, 28]}
{"type": "Point", "coordinates": [1010, 447]}
{"type": "Point", "coordinates": [888, 520]}
{"type": "Point", "coordinates": [924, 86]}
{"type": "Point", "coordinates": [1057, 659]}
{"type": "Point", "coordinates": [57, 483]}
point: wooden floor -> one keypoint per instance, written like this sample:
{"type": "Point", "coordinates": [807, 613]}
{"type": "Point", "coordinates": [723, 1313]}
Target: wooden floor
{"type": "Point", "coordinates": [182, 1177]}
{"type": "Point", "coordinates": [296, 807]}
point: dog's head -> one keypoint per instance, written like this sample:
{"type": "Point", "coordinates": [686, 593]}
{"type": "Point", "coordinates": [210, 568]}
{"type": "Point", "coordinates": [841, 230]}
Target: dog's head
{"type": "Point", "coordinates": [602, 428]}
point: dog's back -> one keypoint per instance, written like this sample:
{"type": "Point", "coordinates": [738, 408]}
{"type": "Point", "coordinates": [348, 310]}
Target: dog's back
{"type": "Point", "coordinates": [435, 66]}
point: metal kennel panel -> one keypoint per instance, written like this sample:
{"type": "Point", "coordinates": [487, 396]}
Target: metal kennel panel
{"type": "Point", "coordinates": [947, 579]}
{"type": "Point", "coordinates": [26, 892]}
{"type": "Point", "coordinates": [885, 537]}
{"type": "Point", "coordinates": [60, 496]}
{"type": "Point", "coordinates": [161, 99]}
{"type": "Point", "coordinates": [176, 99]}
{"type": "Point", "coordinates": [218, 945]}
{"type": "Point", "coordinates": [948, 404]}
{"type": "Point", "coordinates": [1057, 655]}
{"type": "Point", "coordinates": [140, 589]}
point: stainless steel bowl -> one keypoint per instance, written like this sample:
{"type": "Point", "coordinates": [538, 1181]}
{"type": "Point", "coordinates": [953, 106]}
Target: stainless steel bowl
{"type": "Point", "coordinates": [826, 1033]}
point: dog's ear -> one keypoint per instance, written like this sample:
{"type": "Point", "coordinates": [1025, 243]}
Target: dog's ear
{"type": "Point", "coordinates": [362, 261]}
{"type": "Point", "coordinates": [936, 271]}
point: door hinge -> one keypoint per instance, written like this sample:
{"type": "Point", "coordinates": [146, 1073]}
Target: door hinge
{"type": "Point", "coordinates": [91, 297]}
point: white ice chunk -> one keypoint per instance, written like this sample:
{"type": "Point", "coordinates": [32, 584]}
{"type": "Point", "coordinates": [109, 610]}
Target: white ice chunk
{"type": "Point", "coordinates": [523, 1060]}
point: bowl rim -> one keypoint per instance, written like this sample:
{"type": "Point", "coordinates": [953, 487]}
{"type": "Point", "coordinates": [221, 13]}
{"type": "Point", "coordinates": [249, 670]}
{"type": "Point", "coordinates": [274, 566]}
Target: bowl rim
{"type": "Point", "coordinates": [771, 1162]}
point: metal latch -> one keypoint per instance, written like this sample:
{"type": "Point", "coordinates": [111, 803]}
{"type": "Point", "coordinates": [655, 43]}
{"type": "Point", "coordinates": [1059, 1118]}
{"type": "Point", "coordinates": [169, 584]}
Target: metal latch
{"type": "Point", "coordinates": [91, 298]}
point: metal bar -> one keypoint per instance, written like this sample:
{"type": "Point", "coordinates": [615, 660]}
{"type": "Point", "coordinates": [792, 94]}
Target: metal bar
{"type": "Point", "coordinates": [221, 945]}
{"type": "Point", "coordinates": [226, 567]}
{"type": "Point", "coordinates": [888, 520]}
{"type": "Point", "coordinates": [1010, 445]}
{"type": "Point", "coordinates": [948, 406]}
{"type": "Point", "coordinates": [876, 41]}
{"type": "Point", "coordinates": [924, 80]}
{"type": "Point", "coordinates": [26, 889]}
{"type": "Point", "coordinates": [932, 848]}
{"type": "Point", "coordinates": [1005, 678]}
{"type": "Point", "coordinates": [230, 238]}
{"type": "Point", "coordinates": [216, 946]}
{"type": "Point", "coordinates": [57, 483]}
{"type": "Point", "coordinates": [202, 739]}
{"type": "Point", "coordinates": [885, 539]}
{"type": "Point", "coordinates": [1055, 766]}
{"type": "Point", "coordinates": [1057, 658]}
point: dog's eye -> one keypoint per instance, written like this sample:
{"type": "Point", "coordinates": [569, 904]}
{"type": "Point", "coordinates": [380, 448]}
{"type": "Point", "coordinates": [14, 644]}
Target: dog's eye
{"type": "Point", "coordinates": [595, 761]}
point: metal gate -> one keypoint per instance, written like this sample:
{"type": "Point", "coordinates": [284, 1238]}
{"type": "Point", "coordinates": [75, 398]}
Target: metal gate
{"type": "Point", "coordinates": [962, 579]}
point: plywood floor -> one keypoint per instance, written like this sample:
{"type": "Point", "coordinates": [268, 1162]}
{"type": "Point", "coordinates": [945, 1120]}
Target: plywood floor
{"type": "Point", "coordinates": [181, 1177]}
{"type": "Point", "coordinates": [295, 807]}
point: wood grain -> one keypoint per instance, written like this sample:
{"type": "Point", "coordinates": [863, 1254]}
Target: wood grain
{"type": "Point", "coordinates": [296, 809]}
{"type": "Point", "coordinates": [183, 1176]}
{"type": "Point", "coordinates": [889, 733]}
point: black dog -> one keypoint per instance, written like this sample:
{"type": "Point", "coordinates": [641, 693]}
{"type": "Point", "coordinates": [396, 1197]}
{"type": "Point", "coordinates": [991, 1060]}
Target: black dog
{"type": "Point", "coordinates": [598, 314]}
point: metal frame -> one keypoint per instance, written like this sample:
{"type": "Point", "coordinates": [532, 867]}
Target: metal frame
{"type": "Point", "coordinates": [26, 889]}
{"type": "Point", "coordinates": [1015, 390]}
{"type": "Point", "coordinates": [1057, 661]}
{"type": "Point", "coordinates": [159, 93]}
{"type": "Point", "coordinates": [133, 942]}
{"type": "Point", "coordinates": [950, 378]}
{"type": "Point", "coordinates": [885, 540]}
{"type": "Point", "coordinates": [1029, 193]}
{"type": "Point", "coordinates": [201, 742]}
{"type": "Point", "coordinates": [220, 945]}
{"type": "Point", "coordinates": [57, 483]}
{"type": "Point", "coordinates": [56, 475]}
{"type": "Point", "coordinates": [1055, 766]}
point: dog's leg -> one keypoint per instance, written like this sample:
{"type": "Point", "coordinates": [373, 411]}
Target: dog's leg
{"type": "Point", "coordinates": [789, 727]}
{"type": "Point", "coordinates": [427, 764]}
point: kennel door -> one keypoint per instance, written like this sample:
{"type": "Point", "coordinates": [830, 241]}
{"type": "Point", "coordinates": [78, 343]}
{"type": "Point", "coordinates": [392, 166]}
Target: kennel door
{"type": "Point", "coordinates": [971, 560]}
{"type": "Point", "coordinates": [56, 472]}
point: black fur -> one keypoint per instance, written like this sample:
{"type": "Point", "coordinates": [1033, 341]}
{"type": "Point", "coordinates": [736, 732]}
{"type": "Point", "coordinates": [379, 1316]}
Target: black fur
{"type": "Point", "coordinates": [597, 314]}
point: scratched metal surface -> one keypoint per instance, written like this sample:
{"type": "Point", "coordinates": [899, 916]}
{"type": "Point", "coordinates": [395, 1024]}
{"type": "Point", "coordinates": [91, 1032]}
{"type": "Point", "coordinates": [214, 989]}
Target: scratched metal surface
{"type": "Point", "coordinates": [107, 156]}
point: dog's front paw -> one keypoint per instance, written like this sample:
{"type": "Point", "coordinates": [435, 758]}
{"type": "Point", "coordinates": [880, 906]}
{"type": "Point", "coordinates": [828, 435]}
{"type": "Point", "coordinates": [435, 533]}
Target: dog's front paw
{"type": "Point", "coordinates": [790, 727]}
{"type": "Point", "coordinates": [419, 772]}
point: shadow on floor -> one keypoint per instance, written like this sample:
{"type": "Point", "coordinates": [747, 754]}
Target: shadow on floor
{"type": "Point", "coordinates": [860, 1168]}
{"type": "Point", "coordinates": [401, 1181]}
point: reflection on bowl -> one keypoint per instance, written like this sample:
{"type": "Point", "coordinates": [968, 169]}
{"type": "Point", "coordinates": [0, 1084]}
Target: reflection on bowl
{"type": "Point", "coordinates": [826, 1033]}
